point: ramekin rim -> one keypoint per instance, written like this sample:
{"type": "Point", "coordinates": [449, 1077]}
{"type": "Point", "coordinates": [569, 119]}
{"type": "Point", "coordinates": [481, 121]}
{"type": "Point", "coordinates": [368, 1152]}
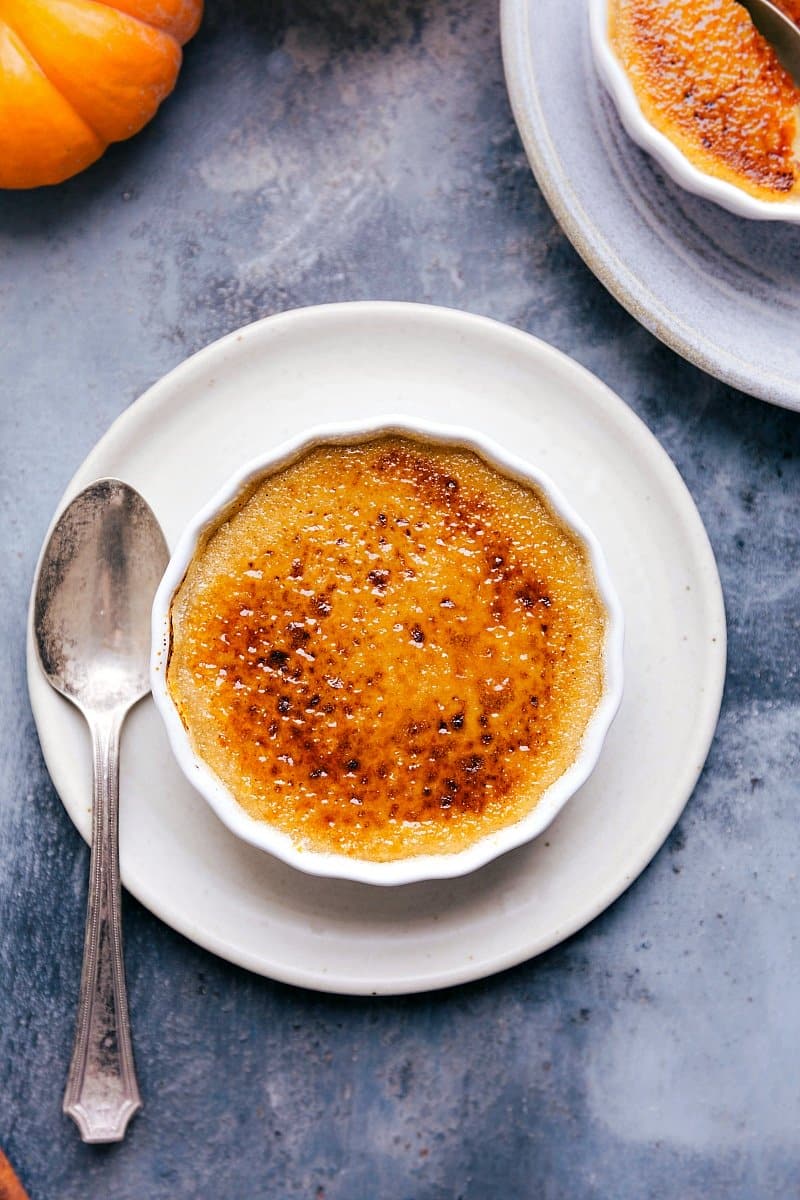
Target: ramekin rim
{"type": "Point", "coordinates": [419, 867]}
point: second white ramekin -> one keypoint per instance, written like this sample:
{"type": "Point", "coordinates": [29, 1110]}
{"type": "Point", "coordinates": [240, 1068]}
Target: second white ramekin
{"type": "Point", "coordinates": [673, 160]}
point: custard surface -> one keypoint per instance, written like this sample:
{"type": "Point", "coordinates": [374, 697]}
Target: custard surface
{"type": "Point", "coordinates": [706, 78]}
{"type": "Point", "coordinates": [388, 649]}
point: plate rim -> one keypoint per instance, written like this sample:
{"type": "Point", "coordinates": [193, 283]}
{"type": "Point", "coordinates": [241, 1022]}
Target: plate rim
{"type": "Point", "coordinates": [617, 411]}
{"type": "Point", "coordinates": [590, 244]}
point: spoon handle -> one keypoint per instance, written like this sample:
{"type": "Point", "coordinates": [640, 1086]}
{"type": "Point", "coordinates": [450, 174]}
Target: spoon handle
{"type": "Point", "coordinates": [102, 1093]}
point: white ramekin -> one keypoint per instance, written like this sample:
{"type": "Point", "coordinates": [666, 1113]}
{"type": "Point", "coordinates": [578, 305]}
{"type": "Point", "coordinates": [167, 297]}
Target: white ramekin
{"type": "Point", "coordinates": [418, 867]}
{"type": "Point", "coordinates": [673, 160]}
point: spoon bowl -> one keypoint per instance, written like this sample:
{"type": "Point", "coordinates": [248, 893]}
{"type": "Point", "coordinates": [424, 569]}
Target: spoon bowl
{"type": "Point", "coordinates": [95, 587]}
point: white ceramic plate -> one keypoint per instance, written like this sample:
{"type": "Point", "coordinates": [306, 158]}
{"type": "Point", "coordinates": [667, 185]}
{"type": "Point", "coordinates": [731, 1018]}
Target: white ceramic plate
{"type": "Point", "coordinates": [260, 386]}
{"type": "Point", "coordinates": [721, 290]}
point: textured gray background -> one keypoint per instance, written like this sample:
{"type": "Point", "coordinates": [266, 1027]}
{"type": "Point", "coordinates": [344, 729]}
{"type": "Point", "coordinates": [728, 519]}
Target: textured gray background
{"type": "Point", "coordinates": [317, 151]}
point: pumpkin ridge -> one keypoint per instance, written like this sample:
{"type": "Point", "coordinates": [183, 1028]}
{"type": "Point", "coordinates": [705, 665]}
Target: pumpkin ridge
{"type": "Point", "coordinates": [76, 75]}
{"type": "Point", "coordinates": [114, 68]}
{"type": "Point", "coordinates": [46, 141]}
{"type": "Point", "coordinates": [35, 59]}
{"type": "Point", "coordinates": [141, 20]}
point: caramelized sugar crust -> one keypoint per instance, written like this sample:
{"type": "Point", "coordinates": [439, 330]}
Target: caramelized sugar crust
{"type": "Point", "coordinates": [707, 79]}
{"type": "Point", "coordinates": [388, 650]}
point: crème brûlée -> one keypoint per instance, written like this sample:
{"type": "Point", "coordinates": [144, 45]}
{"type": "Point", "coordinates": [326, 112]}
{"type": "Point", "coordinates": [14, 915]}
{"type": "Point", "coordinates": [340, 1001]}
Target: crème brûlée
{"type": "Point", "coordinates": [707, 79]}
{"type": "Point", "coordinates": [388, 649]}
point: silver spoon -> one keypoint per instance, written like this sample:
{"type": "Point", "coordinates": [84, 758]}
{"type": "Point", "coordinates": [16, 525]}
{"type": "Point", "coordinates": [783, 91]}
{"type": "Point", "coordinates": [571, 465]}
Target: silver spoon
{"type": "Point", "coordinates": [780, 31]}
{"type": "Point", "coordinates": [94, 591]}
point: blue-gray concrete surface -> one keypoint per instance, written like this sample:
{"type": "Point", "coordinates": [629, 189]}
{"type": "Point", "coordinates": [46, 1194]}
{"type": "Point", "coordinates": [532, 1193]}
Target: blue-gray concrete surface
{"type": "Point", "coordinates": [319, 151]}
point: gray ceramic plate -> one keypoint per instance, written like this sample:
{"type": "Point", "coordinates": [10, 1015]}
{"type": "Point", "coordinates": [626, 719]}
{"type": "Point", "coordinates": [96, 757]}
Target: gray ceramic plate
{"type": "Point", "coordinates": [722, 291]}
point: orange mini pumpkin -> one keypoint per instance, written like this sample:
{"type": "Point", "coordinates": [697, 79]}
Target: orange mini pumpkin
{"type": "Point", "coordinates": [78, 74]}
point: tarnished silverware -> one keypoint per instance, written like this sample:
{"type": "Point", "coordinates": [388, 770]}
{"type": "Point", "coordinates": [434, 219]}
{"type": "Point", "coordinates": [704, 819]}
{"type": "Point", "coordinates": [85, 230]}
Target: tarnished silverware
{"type": "Point", "coordinates": [94, 591]}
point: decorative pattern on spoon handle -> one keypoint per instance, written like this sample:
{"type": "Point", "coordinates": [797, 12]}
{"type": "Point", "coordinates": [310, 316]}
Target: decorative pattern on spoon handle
{"type": "Point", "coordinates": [102, 1093]}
